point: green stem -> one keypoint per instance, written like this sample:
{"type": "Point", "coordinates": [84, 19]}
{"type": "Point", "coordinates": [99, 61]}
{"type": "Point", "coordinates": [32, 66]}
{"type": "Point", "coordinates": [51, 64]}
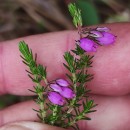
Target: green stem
{"type": "Point", "coordinates": [54, 114]}
{"type": "Point", "coordinates": [79, 31]}
{"type": "Point", "coordinates": [75, 120]}
{"type": "Point", "coordinates": [84, 67]}
{"type": "Point", "coordinates": [40, 96]}
{"type": "Point", "coordinates": [74, 81]}
{"type": "Point", "coordinates": [70, 107]}
{"type": "Point", "coordinates": [72, 102]}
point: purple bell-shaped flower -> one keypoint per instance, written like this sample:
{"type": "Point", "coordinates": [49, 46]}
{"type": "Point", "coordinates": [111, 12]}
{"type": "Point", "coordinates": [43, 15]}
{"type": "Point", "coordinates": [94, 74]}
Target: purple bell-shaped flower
{"type": "Point", "coordinates": [56, 87]}
{"type": "Point", "coordinates": [62, 82]}
{"type": "Point", "coordinates": [88, 45]}
{"type": "Point", "coordinates": [56, 98]}
{"type": "Point", "coordinates": [106, 39]}
{"type": "Point", "coordinates": [67, 93]}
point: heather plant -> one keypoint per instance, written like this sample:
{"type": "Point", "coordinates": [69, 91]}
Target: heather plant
{"type": "Point", "coordinates": [63, 102]}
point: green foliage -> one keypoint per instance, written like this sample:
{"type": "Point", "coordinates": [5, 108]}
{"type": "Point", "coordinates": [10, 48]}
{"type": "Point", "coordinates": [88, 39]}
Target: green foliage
{"type": "Point", "coordinates": [35, 69]}
{"type": "Point", "coordinates": [78, 50]}
{"type": "Point", "coordinates": [37, 73]}
{"type": "Point", "coordinates": [76, 14]}
{"type": "Point", "coordinates": [70, 60]}
{"type": "Point", "coordinates": [77, 63]}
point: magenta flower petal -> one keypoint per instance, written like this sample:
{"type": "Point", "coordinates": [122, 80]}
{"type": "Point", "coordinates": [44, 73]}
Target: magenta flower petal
{"type": "Point", "coordinates": [88, 45]}
{"type": "Point", "coordinates": [107, 39]}
{"type": "Point", "coordinates": [67, 93]}
{"type": "Point", "coordinates": [56, 87]}
{"type": "Point", "coordinates": [95, 34]}
{"type": "Point", "coordinates": [56, 98]}
{"type": "Point", "coordinates": [103, 29]}
{"type": "Point", "coordinates": [62, 82]}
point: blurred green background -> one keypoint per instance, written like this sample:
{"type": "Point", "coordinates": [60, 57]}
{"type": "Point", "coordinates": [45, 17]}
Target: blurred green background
{"type": "Point", "coordinates": [20, 18]}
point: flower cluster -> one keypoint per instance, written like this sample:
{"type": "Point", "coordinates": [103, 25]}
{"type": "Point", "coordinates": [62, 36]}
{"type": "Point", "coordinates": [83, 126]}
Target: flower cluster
{"type": "Point", "coordinates": [63, 103]}
{"type": "Point", "coordinates": [60, 91]}
{"type": "Point", "coordinates": [96, 36]}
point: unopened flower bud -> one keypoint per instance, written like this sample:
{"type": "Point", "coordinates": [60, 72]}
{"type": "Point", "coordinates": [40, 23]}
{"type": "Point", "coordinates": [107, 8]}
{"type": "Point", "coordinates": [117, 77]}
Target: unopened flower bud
{"type": "Point", "coordinates": [103, 29]}
{"type": "Point", "coordinates": [56, 98]}
{"type": "Point", "coordinates": [67, 93]}
{"type": "Point", "coordinates": [62, 82]}
{"type": "Point", "coordinates": [88, 45]}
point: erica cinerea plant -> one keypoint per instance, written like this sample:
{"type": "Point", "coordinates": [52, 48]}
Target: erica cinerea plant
{"type": "Point", "coordinates": [63, 102]}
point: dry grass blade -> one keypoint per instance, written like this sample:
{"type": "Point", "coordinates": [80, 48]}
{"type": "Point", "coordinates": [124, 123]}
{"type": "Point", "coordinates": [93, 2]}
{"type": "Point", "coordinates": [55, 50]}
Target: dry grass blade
{"type": "Point", "coordinates": [46, 12]}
